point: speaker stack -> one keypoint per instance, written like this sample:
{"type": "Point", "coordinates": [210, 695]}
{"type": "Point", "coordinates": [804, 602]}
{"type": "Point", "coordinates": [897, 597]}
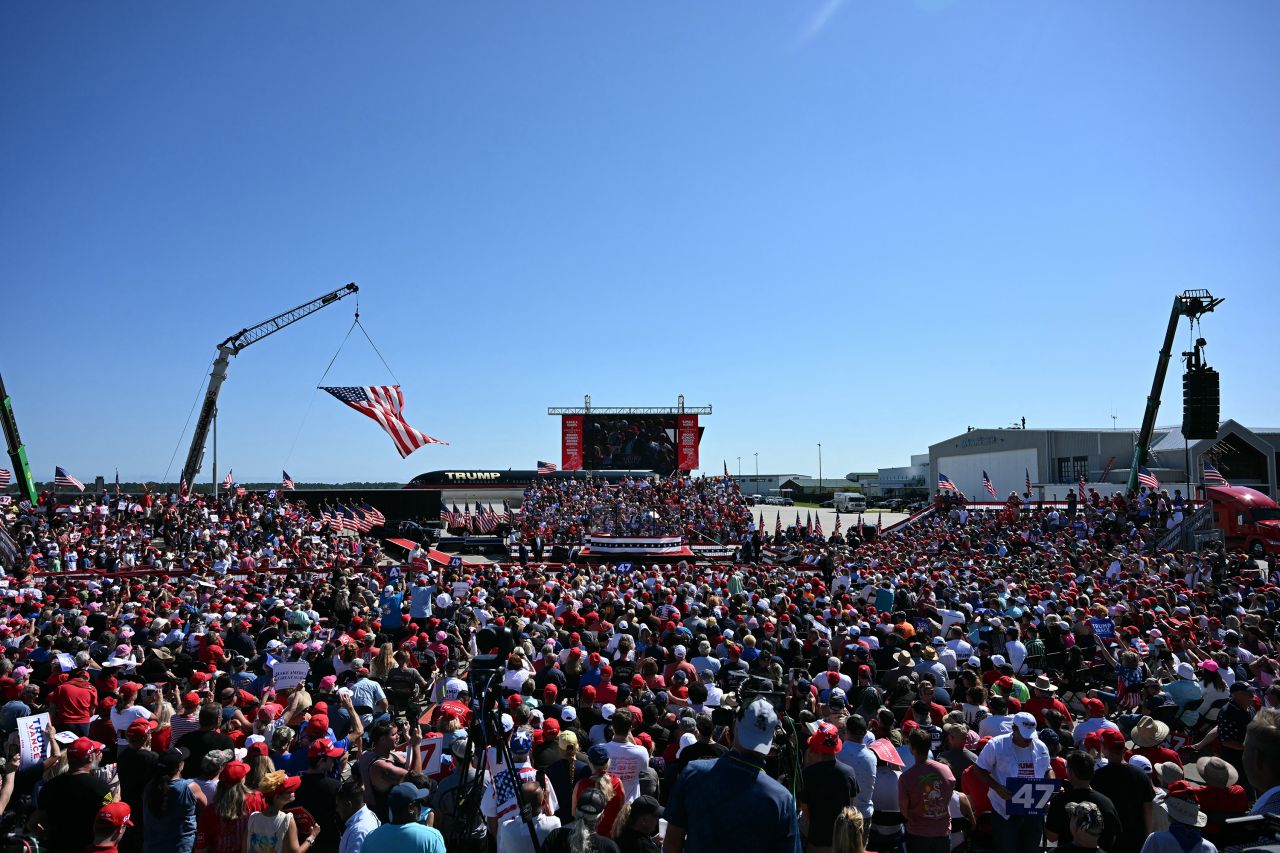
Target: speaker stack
{"type": "Point", "coordinates": [1200, 403]}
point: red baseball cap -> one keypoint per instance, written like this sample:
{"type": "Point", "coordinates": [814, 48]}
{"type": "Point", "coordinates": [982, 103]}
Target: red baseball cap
{"type": "Point", "coordinates": [1112, 739]}
{"type": "Point", "coordinates": [114, 814]}
{"type": "Point", "coordinates": [82, 748]}
{"type": "Point", "coordinates": [324, 748]}
{"type": "Point", "coordinates": [141, 728]}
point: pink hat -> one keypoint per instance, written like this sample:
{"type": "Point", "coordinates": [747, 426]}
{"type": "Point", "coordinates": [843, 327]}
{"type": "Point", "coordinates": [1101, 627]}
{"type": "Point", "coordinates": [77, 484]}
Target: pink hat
{"type": "Point", "coordinates": [1210, 665]}
{"type": "Point", "coordinates": [328, 682]}
{"type": "Point", "coordinates": [884, 750]}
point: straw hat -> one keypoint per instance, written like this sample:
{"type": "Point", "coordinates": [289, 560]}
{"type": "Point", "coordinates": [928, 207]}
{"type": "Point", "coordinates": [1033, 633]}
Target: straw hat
{"type": "Point", "coordinates": [1149, 732]}
{"type": "Point", "coordinates": [1217, 773]}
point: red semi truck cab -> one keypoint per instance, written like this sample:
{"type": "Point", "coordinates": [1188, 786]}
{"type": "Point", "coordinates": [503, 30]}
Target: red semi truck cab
{"type": "Point", "coordinates": [1248, 519]}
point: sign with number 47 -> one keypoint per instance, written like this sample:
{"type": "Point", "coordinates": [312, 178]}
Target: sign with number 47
{"type": "Point", "coordinates": [1031, 796]}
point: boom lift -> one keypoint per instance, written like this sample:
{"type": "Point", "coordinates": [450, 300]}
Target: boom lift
{"type": "Point", "coordinates": [233, 346]}
{"type": "Point", "coordinates": [17, 452]}
{"type": "Point", "coordinates": [1191, 304]}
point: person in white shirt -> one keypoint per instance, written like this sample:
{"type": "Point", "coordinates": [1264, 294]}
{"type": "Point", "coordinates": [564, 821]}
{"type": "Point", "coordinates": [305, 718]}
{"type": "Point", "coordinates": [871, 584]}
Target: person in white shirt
{"type": "Point", "coordinates": [358, 819]}
{"type": "Point", "coordinates": [1017, 755]}
{"type": "Point", "coordinates": [513, 834]}
{"type": "Point", "coordinates": [627, 758]}
{"type": "Point", "coordinates": [863, 761]}
{"type": "Point", "coordinates": [999, 721]}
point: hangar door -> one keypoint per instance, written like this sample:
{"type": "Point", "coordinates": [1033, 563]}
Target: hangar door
{"type": "Point", "coordinates": [1007, 469]}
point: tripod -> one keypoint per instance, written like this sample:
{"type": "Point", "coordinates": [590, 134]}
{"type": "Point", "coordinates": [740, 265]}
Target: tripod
{"type": "Point", "coordinates": [484, 674]}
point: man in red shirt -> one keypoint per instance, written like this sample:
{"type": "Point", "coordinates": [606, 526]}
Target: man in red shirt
{"type": "Point", "coordinates": [1043, 698]}
{"type": "Point", "coordinates": [74, 702]}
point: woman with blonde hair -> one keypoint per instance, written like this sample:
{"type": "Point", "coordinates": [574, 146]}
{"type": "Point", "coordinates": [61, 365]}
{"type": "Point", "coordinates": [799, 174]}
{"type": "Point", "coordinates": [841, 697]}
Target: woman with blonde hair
{"type": "Point", "coordinates": [222, 823]}
{"type": "Point", "coordinates": [382, 665]}
{"type": "Point", "coordinates": [608, 784]}
{"type": "Point", "coordinates": [564, 773]}
{"type": "Point", "coordinates": [847, 835]}
{"type": "Point", "coordinates": [273, 830]}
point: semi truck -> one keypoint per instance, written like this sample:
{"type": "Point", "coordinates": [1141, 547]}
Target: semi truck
{"type": "Point", "coordinates": [1248, 519]}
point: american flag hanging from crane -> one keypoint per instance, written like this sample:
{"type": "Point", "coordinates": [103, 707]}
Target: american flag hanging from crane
{"type": "Point", "coordinates": [385, 405]}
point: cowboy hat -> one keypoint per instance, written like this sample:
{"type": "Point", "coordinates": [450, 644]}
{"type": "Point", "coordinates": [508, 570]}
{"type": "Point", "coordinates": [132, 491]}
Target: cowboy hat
{"type": "Point", "coordinates": [1042, 682]}
{"type": "Point", "coordinates": [902, 657]}
{"type": "Point", "coordinates": [1217, 773]}
{"type": "Point", "coordinates": [1148, 732]}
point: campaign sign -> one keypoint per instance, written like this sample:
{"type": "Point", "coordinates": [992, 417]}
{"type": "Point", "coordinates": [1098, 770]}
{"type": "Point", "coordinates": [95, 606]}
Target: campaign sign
{"type": "Point", "coordinates": [1030, 796]}
{"type": "Point", "coordinates": [455, 562]}
{"type": "Point", "coordinates": [31, 740]}
{"type": "Point", "coordinates": [625, 568]}
{"type": "Point", "coordinates": [460, 589]}
{"type": "Point", "coordinates": [290, 674]}
{"type": "Point", "coordinates": [1104, 629]}
{"type": "Point", "coordinates": [393, 573]}
{"type": "Point", "coordinates": [432, 751]}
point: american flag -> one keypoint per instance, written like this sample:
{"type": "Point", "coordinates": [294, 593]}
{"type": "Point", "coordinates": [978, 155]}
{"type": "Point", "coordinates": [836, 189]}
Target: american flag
{"type": "Point", "coordinates": [1148, 479]}
{"type": "Point", "coordinates": [364, 522]}
{"type": "Point", "coordinates": [373, 513]}
{"type": "Point", "coordinates": [1084, 494]}
{"type": "Point", "coordinates": [117, 482]}
{"type": "Point", "coordinates": [385, 405]}
{"type": "Point", "coordinates": [507, 515]}
{"type": "Point", "coordinates": [286, 482]}
{"type": "Point", "coordinates": [546, 467]}
{"type": "Point", "coordinates": [62, 478]}
{"type": "Point", "coordinates": [879, 522]}
{"type": "Point", "coordinates": [5, 476]}
{"type": "Point", "coordinates": [446, 517]}
{"type": "Point", "coordinates": [228, 480]}
{"type": "Point", "coordinates": [777, 524]}
{"type": "Point", "coordinates": [457, 519]}
{"type": "Point", "coordinates": [1028, 470]}
{"type": "Point", "coordinates": [504, 790]}
{"type": "Point", "coordinates": [836, 532]}
{"type": "Point", "coordinates": [761, 522]}
{"type": "Point", "coordinates": [183, 488]}
{"type": "Point", "coordinates": [986, 484]}
{"type": "Point", "coordinates": [466, 517]}
{"type": "Point", "coordinates": [817, 528]}
{"type": "Point", "coordinates": [797, 521]}
{"type": "Point", "coordinates": [1212, 476]}
{"type": "Point", "coordinates": [808, 521]}
{"type": "Point", "coordinates": [350, 521]}
{"type": "Point", "coordinates": [945, 484]}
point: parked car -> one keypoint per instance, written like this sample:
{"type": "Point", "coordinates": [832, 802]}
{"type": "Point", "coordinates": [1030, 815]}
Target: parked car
{"type": "Point", "coordinates": [827, 504]}
{"type": "Point", "coordinates": [893, 504]}
{"type": "Point", "coordinates": [916, 507]}
{"type": "Point", "coordinates": [788, 502]}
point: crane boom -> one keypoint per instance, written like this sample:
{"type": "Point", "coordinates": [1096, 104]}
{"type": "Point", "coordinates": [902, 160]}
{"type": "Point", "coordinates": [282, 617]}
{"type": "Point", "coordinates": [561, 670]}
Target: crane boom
{"type": "Point", "coordinates": [233, 346]}
{"type": "Point", "coordinates": [17, 451]}
{"type": "Point", "coordinates": [1190, 304]}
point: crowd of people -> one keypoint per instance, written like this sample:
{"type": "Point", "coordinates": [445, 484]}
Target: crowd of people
{"type": "Point", "coordinates": [235, 676]}
{"type": "Point", "coordinates": [700, 509]}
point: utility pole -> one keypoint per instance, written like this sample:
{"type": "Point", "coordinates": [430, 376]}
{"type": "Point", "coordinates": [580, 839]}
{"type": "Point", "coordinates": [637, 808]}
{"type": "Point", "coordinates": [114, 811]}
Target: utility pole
{"type": "Point", "coordinates": [757, 456]}
{"type": "Point", "coordinates": [820, 486]}
{"type": "Point", "coordinates": [739, 469]}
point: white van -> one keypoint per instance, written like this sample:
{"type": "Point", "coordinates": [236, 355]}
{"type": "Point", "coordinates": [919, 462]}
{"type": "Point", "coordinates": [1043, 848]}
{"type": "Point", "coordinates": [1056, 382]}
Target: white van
{"type": "Point", "coordinates": [849, 502]}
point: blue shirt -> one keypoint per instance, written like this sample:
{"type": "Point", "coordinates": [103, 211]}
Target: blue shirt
{"type": "Point", "coordinates": [391, 615]}
{"type": "Point", "coordinates": [404, 838]}
{"type": "Point", "coordinates": [729, 803]}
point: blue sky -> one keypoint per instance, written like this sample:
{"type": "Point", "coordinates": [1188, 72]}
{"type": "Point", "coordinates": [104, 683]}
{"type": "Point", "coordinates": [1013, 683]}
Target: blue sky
{"type": "Point", "coordinates": [866, 224]}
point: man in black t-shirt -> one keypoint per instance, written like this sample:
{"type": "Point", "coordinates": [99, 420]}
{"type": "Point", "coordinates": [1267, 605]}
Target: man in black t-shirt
{"type": "Point", "coordinates": [1079, 789]}
{"type": "Point", "coordinates": [318, 792]}
{"type": "Point", "coordinates": [135, 765]}
{"type": "Point", "coordinates": [1129, 790]}
{"type": "Point", "coordinates": [68, 804]}
{"type": "Point", "coordinates": [204, 739]}
{"type": "Point", "coordinates": [829, 785]}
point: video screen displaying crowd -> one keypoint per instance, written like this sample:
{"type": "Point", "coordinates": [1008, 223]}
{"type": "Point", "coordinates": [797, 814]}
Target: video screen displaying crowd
{"type": "Point", "coordinates": [701, 509]}
{"type": "Point", "coordinates": [237, 677]}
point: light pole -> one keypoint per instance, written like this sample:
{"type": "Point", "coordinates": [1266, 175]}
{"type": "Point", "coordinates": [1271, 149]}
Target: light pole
{"type": "Point", "coordinates": [739, 469]}
{"type": "Point", "coordinates": [820, 489]}
{"type": "Point", "coordinates": [757, 456]}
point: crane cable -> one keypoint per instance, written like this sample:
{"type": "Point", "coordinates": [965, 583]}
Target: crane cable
{"type": "Point", "coordinates": [354, 323]}
{"type": "Point", "coordinates": [194, 403]}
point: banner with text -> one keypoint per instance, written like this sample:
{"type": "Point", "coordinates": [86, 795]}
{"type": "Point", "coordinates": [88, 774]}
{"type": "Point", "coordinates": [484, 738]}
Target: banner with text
{"type": "Point", "coordinates": [687, 442]}
{"type": "Point", "coordinates": [571, 443]}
